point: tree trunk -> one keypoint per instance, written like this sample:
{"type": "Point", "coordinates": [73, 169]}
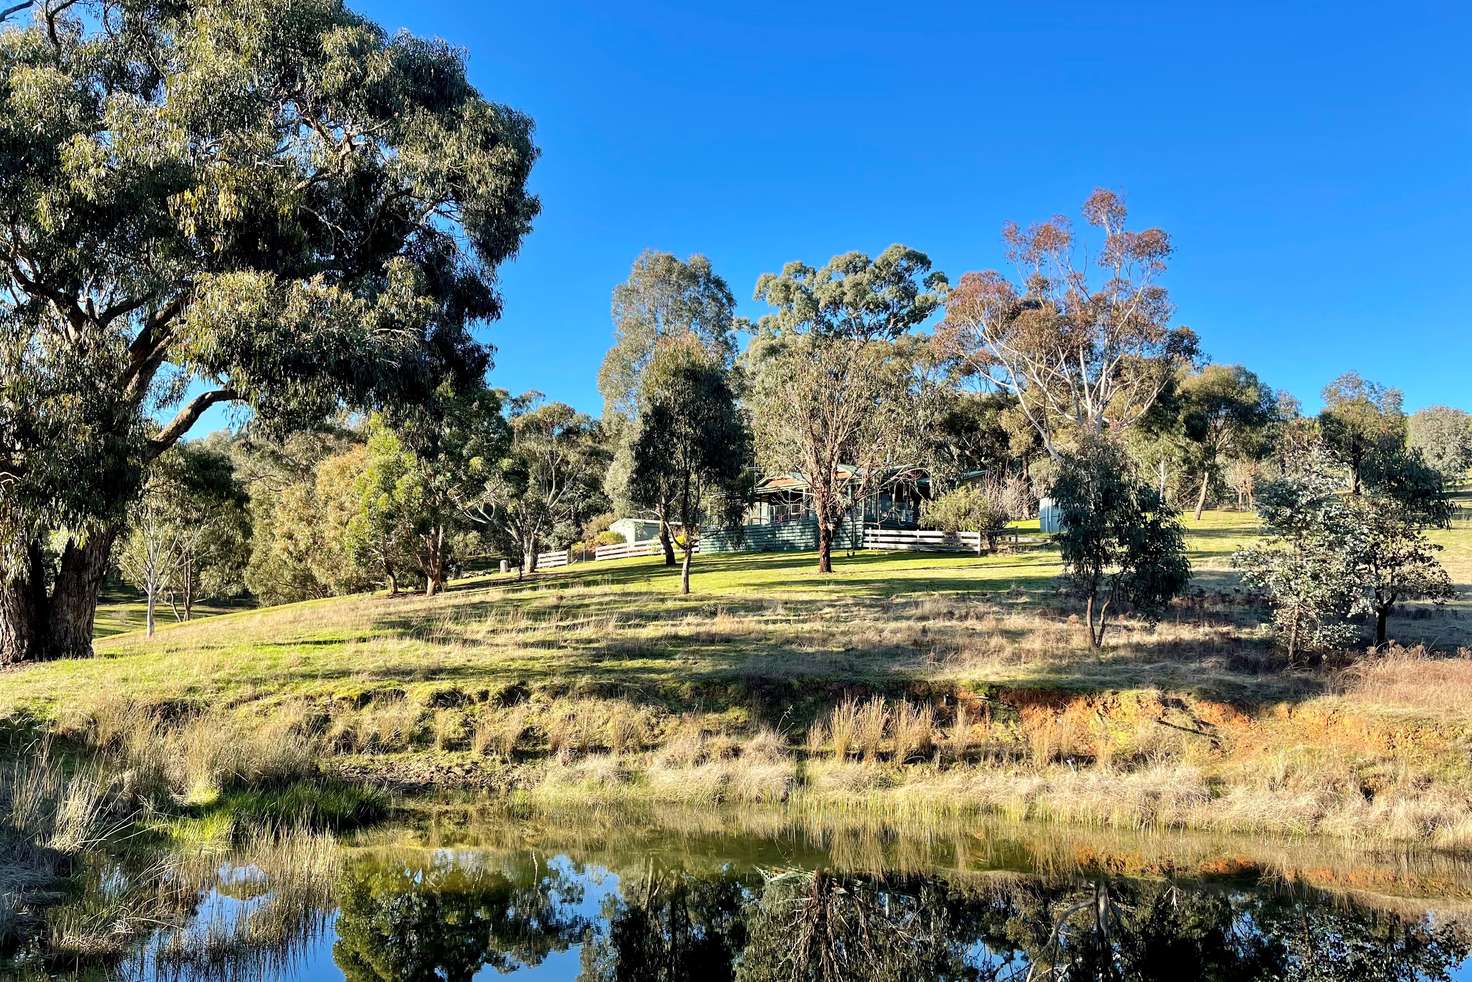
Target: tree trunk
{"type": "Point", "coordinates": [1382, 618]}
{"type": "Point", "coordinates": [74, 597]}
{"type": "Point", "coordinates": [685, 566]}
{"type": "Point", "coordinates": [23, 613]}
{"type": "Point", "coordinates": [1201, 498]}
{"type": "Point", "coordinates": [666, 540]}
{"type": "Point", "coordinates": [825, 546]}
{"type": "Point", "coordinates": [148, 618]}
{"type": "Point", "coordinates": [434, 566]}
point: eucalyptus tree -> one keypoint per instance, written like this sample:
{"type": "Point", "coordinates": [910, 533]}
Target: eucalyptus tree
{"type": "Point", "coordinates": [1083, 351]}
{"type": "Point", "coordinates": [1123, 549]}
{"type": "Point", "coordinates": [664, 298]}
{"type": "Point", "coordinates": [833, 375]}
{"type": "Point", "coordinates": [268, 203]}
{"type": "Point", "coordinates": [1361, 420]}
{"type": "Point", "coordinates": [548, 483]}
{"type": "Point", "coordinates": [693, 447]}
{"type": "Point", "coordinates": [1226, 411]}
{"type": "Point", "coordinates": [1444, 436]}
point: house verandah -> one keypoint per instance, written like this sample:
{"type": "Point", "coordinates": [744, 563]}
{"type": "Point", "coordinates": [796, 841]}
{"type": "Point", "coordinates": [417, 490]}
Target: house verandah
{"type": "Point", "coordinates": [781, 518]}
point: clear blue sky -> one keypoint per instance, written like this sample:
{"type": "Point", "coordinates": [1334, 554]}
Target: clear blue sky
{"type": "Point", "coordinates": [1313, 165]}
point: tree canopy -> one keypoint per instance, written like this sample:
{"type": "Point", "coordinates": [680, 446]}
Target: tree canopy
{"type": "Point", "coordinates": [1082, 357]}
{"type": "Point", "coordinates": [266, 202]}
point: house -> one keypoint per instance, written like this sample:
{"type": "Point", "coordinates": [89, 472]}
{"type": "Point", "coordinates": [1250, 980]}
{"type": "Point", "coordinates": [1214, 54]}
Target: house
{"type": "Point", "coordinates": [781, 518]}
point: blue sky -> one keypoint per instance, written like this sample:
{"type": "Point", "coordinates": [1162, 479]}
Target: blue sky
{"type": "Point", "coordinates": [1313, 164]}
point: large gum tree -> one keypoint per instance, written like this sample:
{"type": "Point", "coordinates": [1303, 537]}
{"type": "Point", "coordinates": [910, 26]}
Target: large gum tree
{"type": "Point", "coordinates": [269, 203]}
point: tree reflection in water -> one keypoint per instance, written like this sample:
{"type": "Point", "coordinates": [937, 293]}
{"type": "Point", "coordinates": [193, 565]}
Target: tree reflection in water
{"type": "Point", "coordinates": [446, 922]}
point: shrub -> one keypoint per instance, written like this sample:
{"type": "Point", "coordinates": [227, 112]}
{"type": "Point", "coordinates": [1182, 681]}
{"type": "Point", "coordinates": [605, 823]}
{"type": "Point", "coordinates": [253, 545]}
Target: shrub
{"type": "Point", "coordinates": [978, 507]}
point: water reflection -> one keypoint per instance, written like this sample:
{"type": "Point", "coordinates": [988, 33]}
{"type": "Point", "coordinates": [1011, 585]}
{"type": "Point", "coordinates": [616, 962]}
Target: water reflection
{"type": "Point", "coordinates": [521, 909]}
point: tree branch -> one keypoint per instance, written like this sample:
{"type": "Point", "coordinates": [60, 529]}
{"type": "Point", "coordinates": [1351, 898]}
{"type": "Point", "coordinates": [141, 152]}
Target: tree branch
{"type": "Point", "coordinates": [9, 12]}
{"type": "Point", "coordinates": [186, 418]}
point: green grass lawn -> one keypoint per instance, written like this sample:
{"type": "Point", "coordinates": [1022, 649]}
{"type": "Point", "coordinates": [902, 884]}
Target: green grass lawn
{"type": "Point", "coordinates": [124, 609]}
{"type": "Point", "coordinates": [623, 625]}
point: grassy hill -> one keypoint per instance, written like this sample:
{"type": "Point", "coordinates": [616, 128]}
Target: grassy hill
{"type": "Point", "coordinates": [901, 681]}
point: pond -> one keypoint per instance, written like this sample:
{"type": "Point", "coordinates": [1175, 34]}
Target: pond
{"type": "Point", "coordinates": [612, 894]}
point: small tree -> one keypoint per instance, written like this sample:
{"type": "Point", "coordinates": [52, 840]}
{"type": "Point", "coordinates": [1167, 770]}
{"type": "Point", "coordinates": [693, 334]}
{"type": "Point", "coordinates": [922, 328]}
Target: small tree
{"type": "Point", "coordinates": [455, 441]}
{"type": "Point", "coordinates": [693, 444]}
{"type": "Point", "coordinates": [1302, 565]}
{"type": "Point", "coordinates": [187, 533]}
{"type": "Point", "coordinates": [549, 482]}
{"type": "Point", "coordinates": [1361, 420]}
{"type": "Point", "coordinates": [1393, 560]}
{"type": "Point", "coordinates": [1225, 410]}
{"type": "Point", "coordinates": [1122, 548]}
{"type": "Point", "coordinates": [1332, 556]}
{"type": "Point", "coordinates": [664, 298]}
{"type": "Point", "coordinates": [150, 556]}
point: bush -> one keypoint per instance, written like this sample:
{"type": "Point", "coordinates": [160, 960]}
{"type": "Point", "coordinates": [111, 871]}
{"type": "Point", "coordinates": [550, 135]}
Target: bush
{"type": "Point", "coordinates": [977, 507]}
{"type": "Point", "coordinates": [1122, 547]}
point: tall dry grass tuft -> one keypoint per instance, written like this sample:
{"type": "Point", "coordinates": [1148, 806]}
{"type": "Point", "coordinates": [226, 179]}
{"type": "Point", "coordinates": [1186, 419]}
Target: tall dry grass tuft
{"type": "Point", "coordinates": [500, 733]}
{"type": "Point", "coordinates": [817, 737]}
{"type": "Point", "coordinates": [959, 736]}
{"type": "Point", "coordinates": [871, 726]}
{"type": "Point", "coordinates": [843, 728]}
{"type": "Point", "coordinates": [1413, 678]}
{"type": "Point", "coordinates": [49, 805]}
{"type": "Point", "coordinates": [686, 746]}
{"type": "Point", "coordinates": [625, 729]}
{"type": "Point", "coordinates": [914, 731]}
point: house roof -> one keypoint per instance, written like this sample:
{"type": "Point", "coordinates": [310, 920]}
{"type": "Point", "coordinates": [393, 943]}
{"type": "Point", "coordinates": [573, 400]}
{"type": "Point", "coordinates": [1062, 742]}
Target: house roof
{"type": "Point", "coordinates": [846, 472]}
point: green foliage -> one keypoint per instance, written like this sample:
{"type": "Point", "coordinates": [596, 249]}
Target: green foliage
{"type": "Point", "coordinates": [693, 444]}
{"type": "Point", "coordinates": [301, 548]}
{"type": "Point", "coordinates": [970, 432]}
{"type": "Point", "coordinates": [1360, 420]}
{"type": "Point", "coordinates": [262, 202]}
{"type": "Point", "coordinates": [1444, 436]}
{"type": "Point", "coordinates": [1302, 565]}
{"type": "Point", "coordinates": [663, 298]}
{"type": "Point", "coordinates": [1226, 411]}
{"type": "Point", "coordinates": [1121, 546]}
{"type": "Point", "coordinates": [854, 297]}
{"type": "Point", "coordinates": [834, 376]}
{"type": "Point", "coordinates": [1332, 556]}
{"type": "Point", "coordinates": [975, 507]}
{"type": "Point", "coordinates": [188, 532]}
{"type": "Point", "coordinates": [546, 486]}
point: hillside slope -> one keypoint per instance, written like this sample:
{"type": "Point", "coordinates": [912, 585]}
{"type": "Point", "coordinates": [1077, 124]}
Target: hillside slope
{"type": "Point", "coordinates": [902, 680]}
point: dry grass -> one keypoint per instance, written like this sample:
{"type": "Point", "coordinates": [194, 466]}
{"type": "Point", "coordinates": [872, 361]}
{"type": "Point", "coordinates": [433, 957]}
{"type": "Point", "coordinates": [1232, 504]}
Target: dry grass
{"type": "Point", "coordinates": [1415, 679]}
{"type": "Point", "coordinates": [843, 728]}
{"type": "Point", "coordinates": [500, 732]}
{"type": "Point", "coordinates": [197, 755]}
{"type": "Point", "coordinates": [914, 731]}
{"type": "Point", "coordinates": [871, 725]}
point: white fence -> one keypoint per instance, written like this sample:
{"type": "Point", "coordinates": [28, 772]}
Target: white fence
{"type": "Point", "coordinates": [922, 540]}
{"type": "Point", "coordinates": [624, 550]}
{"type": "Point", "coordinates": [627, 550]}
{"type": "Point", "coordinates": [552, 560]}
